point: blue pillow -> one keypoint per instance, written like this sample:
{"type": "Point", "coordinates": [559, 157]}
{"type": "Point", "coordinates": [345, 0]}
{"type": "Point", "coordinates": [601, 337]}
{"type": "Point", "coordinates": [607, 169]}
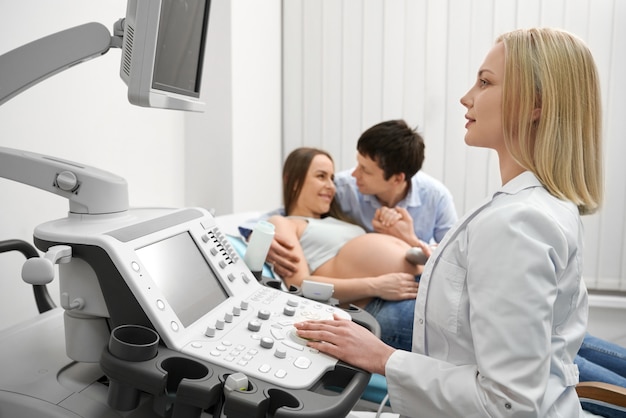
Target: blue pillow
{"type": "Point", "coordinates": [240, 246]}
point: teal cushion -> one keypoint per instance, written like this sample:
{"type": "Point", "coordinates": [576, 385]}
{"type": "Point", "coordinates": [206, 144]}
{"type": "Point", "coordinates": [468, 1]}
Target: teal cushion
{"type": "Point", "coordinates": [376, 389]}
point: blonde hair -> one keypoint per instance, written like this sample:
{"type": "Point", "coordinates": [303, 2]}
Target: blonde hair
{"type": "Point", "coordinates": [554, 71]}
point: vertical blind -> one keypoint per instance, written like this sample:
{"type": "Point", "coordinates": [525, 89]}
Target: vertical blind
{"type": "Point", "coordinates": [348, 64]}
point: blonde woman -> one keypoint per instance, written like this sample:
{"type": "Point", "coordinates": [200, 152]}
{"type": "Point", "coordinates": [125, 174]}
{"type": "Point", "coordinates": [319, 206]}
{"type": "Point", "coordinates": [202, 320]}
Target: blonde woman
{"type": "Point", "coordinates": [502, 308]}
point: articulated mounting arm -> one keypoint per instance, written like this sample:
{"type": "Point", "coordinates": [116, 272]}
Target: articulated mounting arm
{"type": "Point", "coordinates": [23, 67]}
{"type": "Point", "coordinates": [89, 190]}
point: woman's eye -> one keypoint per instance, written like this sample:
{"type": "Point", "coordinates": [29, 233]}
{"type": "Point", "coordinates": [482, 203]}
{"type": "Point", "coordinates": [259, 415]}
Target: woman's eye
{"type": "Point", "coordinates": [482, 83]}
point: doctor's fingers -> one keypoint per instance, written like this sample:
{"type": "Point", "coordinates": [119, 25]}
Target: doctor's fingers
{"type": "Point", "coordinates": [346, 343]}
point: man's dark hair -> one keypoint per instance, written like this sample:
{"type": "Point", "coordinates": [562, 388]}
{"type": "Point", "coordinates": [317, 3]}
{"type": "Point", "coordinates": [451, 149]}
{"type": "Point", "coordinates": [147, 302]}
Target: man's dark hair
{"type": "Point", "coordinates": [394, 146]}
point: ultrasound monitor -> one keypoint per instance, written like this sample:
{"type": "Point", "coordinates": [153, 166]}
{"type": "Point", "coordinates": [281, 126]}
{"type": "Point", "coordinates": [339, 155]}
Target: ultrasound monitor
{"type": "Point", "coordinates": [184, 276]}
{"type": "Point", "coordinates": [163, 52]}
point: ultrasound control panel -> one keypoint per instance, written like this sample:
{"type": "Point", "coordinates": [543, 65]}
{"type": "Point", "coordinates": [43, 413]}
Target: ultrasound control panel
{"type": "Point", "coordinates": [255, 335]}
{"type": "Point", "coordinates": [200, 296]}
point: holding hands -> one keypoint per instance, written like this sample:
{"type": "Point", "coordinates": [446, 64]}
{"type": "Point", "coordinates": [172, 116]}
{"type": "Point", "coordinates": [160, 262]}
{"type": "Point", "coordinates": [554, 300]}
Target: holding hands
{"type": "Point", "coordinates": [398, 222]}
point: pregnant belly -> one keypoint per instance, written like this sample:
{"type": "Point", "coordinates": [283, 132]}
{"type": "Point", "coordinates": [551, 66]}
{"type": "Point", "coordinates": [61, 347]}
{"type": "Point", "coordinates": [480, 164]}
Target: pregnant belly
{"type": "Point", "coordinates": [370, 254]}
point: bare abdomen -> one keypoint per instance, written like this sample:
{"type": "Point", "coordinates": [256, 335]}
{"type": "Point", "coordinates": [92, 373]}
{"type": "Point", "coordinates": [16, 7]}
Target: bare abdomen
{"type": "Point", "coordinates": [370, 254]}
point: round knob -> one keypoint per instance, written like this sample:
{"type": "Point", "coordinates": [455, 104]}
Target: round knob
{"type": "Point", "coordinates": [210, 332]}
{"type": "Point", "coordinates": [264, 314]}
{"type": "Point", "coordinates": [254, 326]}
{"type": "Point", "coordinates": [289, 311]}
{"type": "Point", "coordinates": [67, 181]}
{"type": "Point", "coordinates": [267, 342]}
{"type": "Point", "coordinates": [280, 353]}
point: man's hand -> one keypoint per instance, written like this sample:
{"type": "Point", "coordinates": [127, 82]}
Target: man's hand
{"type": "Point", "coordinates": [282, 256]}
{"type": "Point", "coordinates": [397, 222]}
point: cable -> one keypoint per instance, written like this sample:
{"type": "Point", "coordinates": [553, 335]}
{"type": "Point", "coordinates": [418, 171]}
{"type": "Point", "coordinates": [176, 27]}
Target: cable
{"type": "Point", "coordinates": [382, 406]}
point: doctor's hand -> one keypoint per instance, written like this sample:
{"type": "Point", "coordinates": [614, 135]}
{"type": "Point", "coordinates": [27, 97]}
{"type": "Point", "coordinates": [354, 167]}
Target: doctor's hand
{"type": "Point", "coordinates": [283, 257]}
{"type": "Point", "coordinates": [344, 339]}
{"type": "Point", "coordinates": [396, 222]}
{"type": "Point", "coordinates": [395, 286]}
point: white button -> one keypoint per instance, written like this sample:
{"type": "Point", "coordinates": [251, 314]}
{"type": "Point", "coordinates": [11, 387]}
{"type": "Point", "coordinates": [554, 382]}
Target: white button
{"type": "Point", "coordinates": [280, 373]}
{"type": "Point", "coordinates": [135, 266]}
{"type": "Point", "coordinates": [174, 326]}
{"type": "Point", "coordinates": [302, 362]}
{"type": "Point", "coordinates": [160, 304]}
{"type": "Point", "coordinates": [264, 368]}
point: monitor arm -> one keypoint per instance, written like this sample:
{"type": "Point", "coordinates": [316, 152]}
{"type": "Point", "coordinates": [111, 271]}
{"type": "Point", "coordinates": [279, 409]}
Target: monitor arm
{"type": "Point", "coordinates": [89, 190]}
{"type": "Point", "coordinates": [27, 65]}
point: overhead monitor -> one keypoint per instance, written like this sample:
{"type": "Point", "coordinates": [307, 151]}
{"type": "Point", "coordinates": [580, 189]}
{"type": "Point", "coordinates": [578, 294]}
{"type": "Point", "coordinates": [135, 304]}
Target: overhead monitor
{"type": "Point", "coordinates": [163, 52]}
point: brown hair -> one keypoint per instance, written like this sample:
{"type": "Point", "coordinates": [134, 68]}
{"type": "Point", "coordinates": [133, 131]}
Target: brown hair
{"type": "Point", "coordinates": [295, 170]}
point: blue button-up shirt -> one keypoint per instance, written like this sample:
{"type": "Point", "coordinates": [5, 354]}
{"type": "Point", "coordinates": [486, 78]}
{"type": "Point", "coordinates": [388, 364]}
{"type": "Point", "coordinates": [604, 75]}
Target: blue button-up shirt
{"type": "Point", "coordinates": [428, 202]}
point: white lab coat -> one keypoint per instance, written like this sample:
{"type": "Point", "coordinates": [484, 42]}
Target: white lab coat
{"type": "Point", "coordinates": [500, 314]}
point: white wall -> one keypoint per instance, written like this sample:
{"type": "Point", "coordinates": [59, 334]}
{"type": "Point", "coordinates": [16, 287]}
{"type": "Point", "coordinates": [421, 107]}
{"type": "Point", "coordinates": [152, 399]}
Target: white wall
{"type": "Point", "coordinates": [353, 63]}
{"type": "Point", "coordinates": [233, 150]}
{"type": "Point", "coordinates": [169, 158]}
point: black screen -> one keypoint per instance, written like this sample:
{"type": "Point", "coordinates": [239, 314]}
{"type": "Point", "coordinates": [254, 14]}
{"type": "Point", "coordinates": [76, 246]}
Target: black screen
{"type": "Point", "coordinates": [180, 46]}
{"type": "Point", "coordinates": [183, 276]}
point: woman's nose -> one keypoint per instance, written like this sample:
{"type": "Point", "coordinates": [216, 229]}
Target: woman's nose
{"type": "Point", "coordinates": [465, 100]}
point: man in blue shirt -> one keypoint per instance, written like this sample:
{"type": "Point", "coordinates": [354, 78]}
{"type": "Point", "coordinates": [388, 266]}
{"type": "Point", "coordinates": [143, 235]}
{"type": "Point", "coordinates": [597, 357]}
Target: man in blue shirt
{"type": "Point", "coordinates": [387, 193]}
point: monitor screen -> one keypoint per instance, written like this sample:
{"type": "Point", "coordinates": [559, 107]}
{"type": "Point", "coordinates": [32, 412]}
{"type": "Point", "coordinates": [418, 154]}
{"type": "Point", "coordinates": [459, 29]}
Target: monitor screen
{"type": "Point", "coordinates": [179, 53]}
{"type": "Point", "coordinates": [163, 52]}
{"type": "Point", "coordinates": [183, 276]}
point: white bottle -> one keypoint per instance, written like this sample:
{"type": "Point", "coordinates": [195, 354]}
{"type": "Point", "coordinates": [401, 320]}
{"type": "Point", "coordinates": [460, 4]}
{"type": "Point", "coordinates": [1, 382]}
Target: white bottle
{"type": "Point", "coordinates": [259, 245]}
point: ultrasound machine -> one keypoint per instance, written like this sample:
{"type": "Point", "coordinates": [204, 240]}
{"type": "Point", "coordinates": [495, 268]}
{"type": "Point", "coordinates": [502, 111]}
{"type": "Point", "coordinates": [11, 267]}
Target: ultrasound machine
{"type": "Point", "coordinates": [159, 315]}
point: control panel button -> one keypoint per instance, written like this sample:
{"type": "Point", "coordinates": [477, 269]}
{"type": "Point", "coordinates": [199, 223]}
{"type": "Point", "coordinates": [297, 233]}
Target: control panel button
{"type": "Point", "coordinates": [254, 326]}
{"type": "Point", "coordinates": [302, 362]}
{"type": "Point", "coordinates": [210, 332]}
{"type": "Point", "coordinates": [280, 353]}
{"type": "Point", "coordinates": [264, 314]}
{"type": "Point", "coordinates": [267, 342]}
{"type": "Point", "coordinates": [289, 311]}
